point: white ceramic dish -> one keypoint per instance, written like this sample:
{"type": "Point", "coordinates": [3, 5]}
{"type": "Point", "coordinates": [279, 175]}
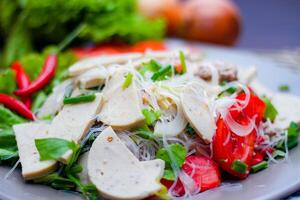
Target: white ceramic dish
{"type": "Point", "coordinates": [279, 180]}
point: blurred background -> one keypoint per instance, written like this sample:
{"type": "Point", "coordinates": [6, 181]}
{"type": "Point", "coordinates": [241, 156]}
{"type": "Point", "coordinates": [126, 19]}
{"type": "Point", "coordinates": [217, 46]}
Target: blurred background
{"type": "Point", "coordinates": [269, 24]}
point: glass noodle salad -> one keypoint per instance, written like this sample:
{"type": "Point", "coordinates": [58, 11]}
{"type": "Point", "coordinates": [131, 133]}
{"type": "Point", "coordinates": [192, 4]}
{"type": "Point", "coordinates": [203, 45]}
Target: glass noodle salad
{"type": "Point", "coordinates": [154, 125]}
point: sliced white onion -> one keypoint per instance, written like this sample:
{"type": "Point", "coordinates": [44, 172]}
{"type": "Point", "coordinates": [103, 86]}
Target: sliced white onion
{"type": "Point", "coordinates": [174, 127]}
{"type": "Point", "coordinates": [240, 130]}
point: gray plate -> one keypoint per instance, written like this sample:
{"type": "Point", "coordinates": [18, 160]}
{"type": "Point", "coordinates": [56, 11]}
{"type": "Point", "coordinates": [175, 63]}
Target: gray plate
{"type": "Point", "coordinates": [277, 181]}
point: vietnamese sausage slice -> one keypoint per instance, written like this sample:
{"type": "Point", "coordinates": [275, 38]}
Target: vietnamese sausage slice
{"type": "Point", "coordinates": [54, 102]}
{"type": "Point", "coordinates": [89, 63]}
{"type": "Point", "coordinates": [121, 107]}
{"type": "Point", "coordinates": [73, 122]}
{"type": "Point", "coordinates": [288, 107]}
{"type": "Point", "coordinates": [117, 173]}
{"type": "Point", "coordinates": [93, 77]}
{"type": "Point", "coordinates": [26, 134]}
{"type": "Point", "coordinates": [196, 111]}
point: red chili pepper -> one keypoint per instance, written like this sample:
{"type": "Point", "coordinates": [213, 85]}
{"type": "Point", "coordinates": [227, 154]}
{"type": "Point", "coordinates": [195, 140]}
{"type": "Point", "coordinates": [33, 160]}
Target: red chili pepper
{"type": "Point", "coordinates": [16, 106]}
{"type": "Point", "coordinates": [23, 81]}
{"type": "Point", "coordinates": [46, 75]}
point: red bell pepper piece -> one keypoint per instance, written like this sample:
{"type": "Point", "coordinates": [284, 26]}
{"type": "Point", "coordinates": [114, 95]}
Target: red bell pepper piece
{"type": "Point", "coordinates": [16, 106]}
{"type": "Point", "coordinates": [43, 79]}
{"type": "Point", "coordinates": [23, 81]}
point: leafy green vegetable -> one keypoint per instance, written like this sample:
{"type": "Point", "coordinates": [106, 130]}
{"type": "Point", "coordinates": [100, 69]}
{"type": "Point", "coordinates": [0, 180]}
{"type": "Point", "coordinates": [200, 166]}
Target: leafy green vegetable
{"type": "Point", "coordinates": [162, 74]}
{"type": "Point", "coordinates": [271, 111]}
{"type": "Point", "coordinates": [239, 166]}
{"type": "Point", "coordinates": [67, 179]}
{"type": "Point", "coordinates": [6, 154]}
{"type": "Point", "coordinates": [7, 81]}
{"type": "Point", "coordinates": [174, 156]}
{"type": "Point", "coordinates": [127, 81]}
{"type": "Point", "coordinates": [53, 148]}
{"type": "Point", "coordinates": [18, 42]}
{"type": "Point", "coordinates": [151, 115]}
{"type": "Point", "coordinates": [284, 88]}
{"type": "Point", "coordinates": [8, 145]}
{"type": "Point", "coordinates": [182, 61]}
{"type": "Point", "coordinates": [104, 20]}
{"type": "Point", "coordinates": [9, 118]}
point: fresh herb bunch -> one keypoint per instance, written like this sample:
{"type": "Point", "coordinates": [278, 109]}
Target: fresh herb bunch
{"type": "Point", "coordinates": [30, 25]}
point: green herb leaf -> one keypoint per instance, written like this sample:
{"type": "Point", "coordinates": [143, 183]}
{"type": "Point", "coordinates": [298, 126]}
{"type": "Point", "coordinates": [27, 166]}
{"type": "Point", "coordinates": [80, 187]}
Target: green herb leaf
{"type": "Point", "coordinates": [260, 166]}
{"type": "Point", "coordinates": [53, 148]}
{"type": "Point", "coordinates": [151, 115]}
{"type": "Point", "coordinates": [162, 74]}
{"type": "Point", "coordinates": [174, 156]}
{"type": "Point", "coordinates": [7, 81]}
{"type": "Point", "coordinates": [80, 99]}
{"type": "Point", "coordinates": [293, 133]}
{"type": "Point", "coordinates": [239, 166]}
{"type": "Point", "coordinates": [182, 61]}
{"type": "Point", "coordinates": [145, 132]}
{"type": "Point", "coordinates": [169, 175]}
{"type": "Point", "coordinates": [127, 81]}
{"type": "Point", "coordinates": [271, 111]}
{"type": "Point", "coordinates": [151, 66]}
{"type": "Point", "coordinates": [284, 88]}
{"type": "Point", "coordinates": [6, 154]}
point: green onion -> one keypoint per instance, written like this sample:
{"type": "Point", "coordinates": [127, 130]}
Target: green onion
{"type": "Point", "coordinates": [239, 166]}
{"type": "Point", "coordinates": [260, 166]}
{"type": "Point", "coordinates": [284, 88]}
{"type": "Point", "coordinates": [162, 73]}
{"type": "Point", "coordinates": [127, 81]}
{"type": "Point", "coordinates": [182, 60]}
{"type": "Point", "coordinates": [80, 99]}
{"type": "Point", "coordinates": [271, 111]}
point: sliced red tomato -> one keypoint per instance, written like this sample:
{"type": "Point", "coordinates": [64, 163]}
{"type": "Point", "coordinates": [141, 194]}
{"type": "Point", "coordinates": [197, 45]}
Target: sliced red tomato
{"type": "Point", "coordinates": [154, 45]}
{"type": "Point", "coordinates": [257, 158]}
{"type": "Point", "coordinates": [229, 147]}
{"type": "Point", "coordinates": [203, 170]}
{"type": "Point", "coordinates": [255, 108]}
{"type": "Point", "coordinates": [96, 51]}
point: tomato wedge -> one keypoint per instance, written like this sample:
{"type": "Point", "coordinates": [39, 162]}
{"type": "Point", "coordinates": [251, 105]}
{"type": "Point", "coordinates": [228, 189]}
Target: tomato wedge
{"type": "Point", "coordinates": [203, 170]}
{"type": "Point", "coordinates": [230, 149]}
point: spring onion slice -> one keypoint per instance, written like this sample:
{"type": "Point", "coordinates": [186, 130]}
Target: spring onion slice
{"type": "Point", "coordinates": [239, 166]}
{"type": "Point", "coordinates": [80, 99]}
{"type": "Point", "coordinates": [127, 81]}
{"type": "Point", "coordinates": [260, 166]}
